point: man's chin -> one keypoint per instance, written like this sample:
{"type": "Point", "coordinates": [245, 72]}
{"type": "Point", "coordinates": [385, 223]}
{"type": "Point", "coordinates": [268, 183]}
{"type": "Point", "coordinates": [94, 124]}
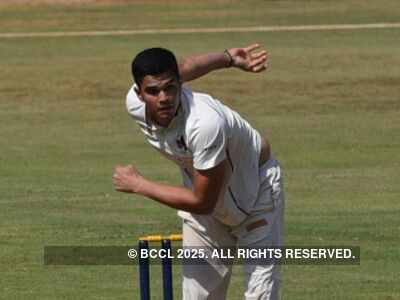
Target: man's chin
{"type": "Point", "coordinates": [164, 122]}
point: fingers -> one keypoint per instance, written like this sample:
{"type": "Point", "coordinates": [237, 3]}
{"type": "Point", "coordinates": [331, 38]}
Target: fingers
{"type": "Point", "coordinates": [126, 179]}
{"type": "Point", "coordinates": [259, 68]}
{"type": "Point", "coordinates": [259, 54]}
{"type": "Point", "coordinates": [258, 61]}
{"type": "Point", "coordinates": [252, 47]}
{"type": "Point", "coordinates": [116, 182]}
{"type": "Point", "coordinates": [119, 183]}
{"type": "Point", "coordinates": [124, 169]}
{"type": "Point", "coordinates": [119, 172]}
{"type": "Point", "coordinates": [116, 179]}
{"type": "Point", "coordinates": [259, 64]}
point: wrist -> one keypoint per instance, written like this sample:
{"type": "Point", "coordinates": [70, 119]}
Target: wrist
{"type": "Point", "coordinates": [139, 187]}
{"type": "Point", "coordinates": [229, 58]}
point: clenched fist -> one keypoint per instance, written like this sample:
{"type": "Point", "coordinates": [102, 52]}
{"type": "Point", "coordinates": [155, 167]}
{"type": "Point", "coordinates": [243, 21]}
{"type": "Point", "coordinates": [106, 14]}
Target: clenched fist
{"type": "Point", "coordinates": [127, 179]}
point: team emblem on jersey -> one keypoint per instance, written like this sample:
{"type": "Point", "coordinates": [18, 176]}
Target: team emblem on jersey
{"type": "Point", "coordinates": [181, 143]}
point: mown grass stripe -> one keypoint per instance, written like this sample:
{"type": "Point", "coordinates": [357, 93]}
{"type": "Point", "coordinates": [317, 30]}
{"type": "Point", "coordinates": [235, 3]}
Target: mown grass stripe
{"type": "Point", "coordinates": [329, 27]}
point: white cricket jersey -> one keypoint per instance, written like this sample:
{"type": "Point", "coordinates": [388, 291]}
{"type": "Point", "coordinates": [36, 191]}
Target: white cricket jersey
{"type": "Point", "coordinates": [203, 133]}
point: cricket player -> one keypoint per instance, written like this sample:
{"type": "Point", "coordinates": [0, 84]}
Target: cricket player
{"type": "Point", "coordinates": [232, 194]}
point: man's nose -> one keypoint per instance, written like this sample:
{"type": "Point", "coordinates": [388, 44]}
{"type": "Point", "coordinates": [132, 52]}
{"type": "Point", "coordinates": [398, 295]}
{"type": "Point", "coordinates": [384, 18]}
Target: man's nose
{"type": "Point", "coordinates": [164, 97]}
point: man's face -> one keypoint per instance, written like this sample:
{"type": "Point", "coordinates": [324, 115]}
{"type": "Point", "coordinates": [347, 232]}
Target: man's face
{"type": "Point", "coordinates": [161, 93]}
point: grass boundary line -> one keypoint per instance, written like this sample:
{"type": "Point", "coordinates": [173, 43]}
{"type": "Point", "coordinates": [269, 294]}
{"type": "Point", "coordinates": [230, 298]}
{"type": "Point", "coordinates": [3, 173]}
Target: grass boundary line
{"type": "Point", "coordinates": [294, 28]}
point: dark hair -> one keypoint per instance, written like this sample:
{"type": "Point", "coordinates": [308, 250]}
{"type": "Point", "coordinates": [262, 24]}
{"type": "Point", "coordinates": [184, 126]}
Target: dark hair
{"type": "Point", "coordinates": [154, 61]}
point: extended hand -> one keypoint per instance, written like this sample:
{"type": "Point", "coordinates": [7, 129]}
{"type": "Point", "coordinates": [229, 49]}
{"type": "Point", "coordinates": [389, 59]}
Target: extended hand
{"type": "Point", "coordinates": [127, 179]}
{"type": "Point", "coordinates": [248, 60]}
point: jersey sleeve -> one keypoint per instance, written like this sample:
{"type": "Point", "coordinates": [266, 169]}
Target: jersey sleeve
{"type": "Point", "coordinates": [135, 107]}
{"type": "Point", "coordinates": [208, 143]}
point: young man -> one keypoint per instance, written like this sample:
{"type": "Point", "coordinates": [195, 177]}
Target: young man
{"type": "Point", "coordinates": [232, 194]}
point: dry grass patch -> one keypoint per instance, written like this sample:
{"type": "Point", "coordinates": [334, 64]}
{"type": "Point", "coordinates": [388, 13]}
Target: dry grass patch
{"type": "Point", "coordinates": [101, 2]}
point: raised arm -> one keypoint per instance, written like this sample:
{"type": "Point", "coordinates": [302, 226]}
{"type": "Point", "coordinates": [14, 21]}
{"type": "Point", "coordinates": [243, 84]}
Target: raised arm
{"type": "Point", "coordinates": [248, 59]}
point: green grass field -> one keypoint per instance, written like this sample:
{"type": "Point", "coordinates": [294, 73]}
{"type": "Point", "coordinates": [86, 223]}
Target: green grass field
{"type": "Point", "coordinates": [330, 105]}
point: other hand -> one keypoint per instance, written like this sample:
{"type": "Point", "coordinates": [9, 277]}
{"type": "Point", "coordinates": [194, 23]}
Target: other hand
{"type": "Point", "coordinates": [248, 59]}
{"type": "Point", "coordinates": [127, 179]}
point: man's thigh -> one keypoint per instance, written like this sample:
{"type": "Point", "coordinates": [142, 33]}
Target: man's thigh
{"type": "Point", "coordinates": [210, 279]}
{"type": "Point", "coordinates": [259, 232]}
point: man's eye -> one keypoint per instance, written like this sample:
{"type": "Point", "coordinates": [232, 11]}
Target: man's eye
{"type": "Point", "coordinates": [152, 91]}
{"type": "Point", "coordinates": [171, 88]}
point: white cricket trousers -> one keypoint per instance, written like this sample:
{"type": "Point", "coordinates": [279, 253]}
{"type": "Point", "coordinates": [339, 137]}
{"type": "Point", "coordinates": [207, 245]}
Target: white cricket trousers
{"type": "Point", "coordinates": [260, 230]}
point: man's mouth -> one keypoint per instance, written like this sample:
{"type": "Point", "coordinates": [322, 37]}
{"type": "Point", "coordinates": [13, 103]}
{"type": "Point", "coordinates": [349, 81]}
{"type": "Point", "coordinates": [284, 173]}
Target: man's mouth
{"type": "Point", "coordinates": [167, 108]}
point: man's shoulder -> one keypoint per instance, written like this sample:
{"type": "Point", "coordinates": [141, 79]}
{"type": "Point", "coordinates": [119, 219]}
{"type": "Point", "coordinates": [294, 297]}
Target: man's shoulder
{"type": "Point", "coordinates": [203, 112]}
{"type": "Point", "coordinates": [200, 105]}
{"type": "Point", "coordinates": [132, 99]}
{"type": "Point", "coordinates": [196, 98]}
{"type": "Point", "coordinates": [134, 106]}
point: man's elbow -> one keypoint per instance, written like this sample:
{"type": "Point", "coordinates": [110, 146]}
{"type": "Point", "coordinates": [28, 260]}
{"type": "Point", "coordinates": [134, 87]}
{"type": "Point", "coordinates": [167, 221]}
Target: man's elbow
{"type": "Point", "coordinates": [204, 210]}
{"type": "Point", "coordinates": [183, 67]}
{"type": "Point", "coordinates": [204, 207]}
